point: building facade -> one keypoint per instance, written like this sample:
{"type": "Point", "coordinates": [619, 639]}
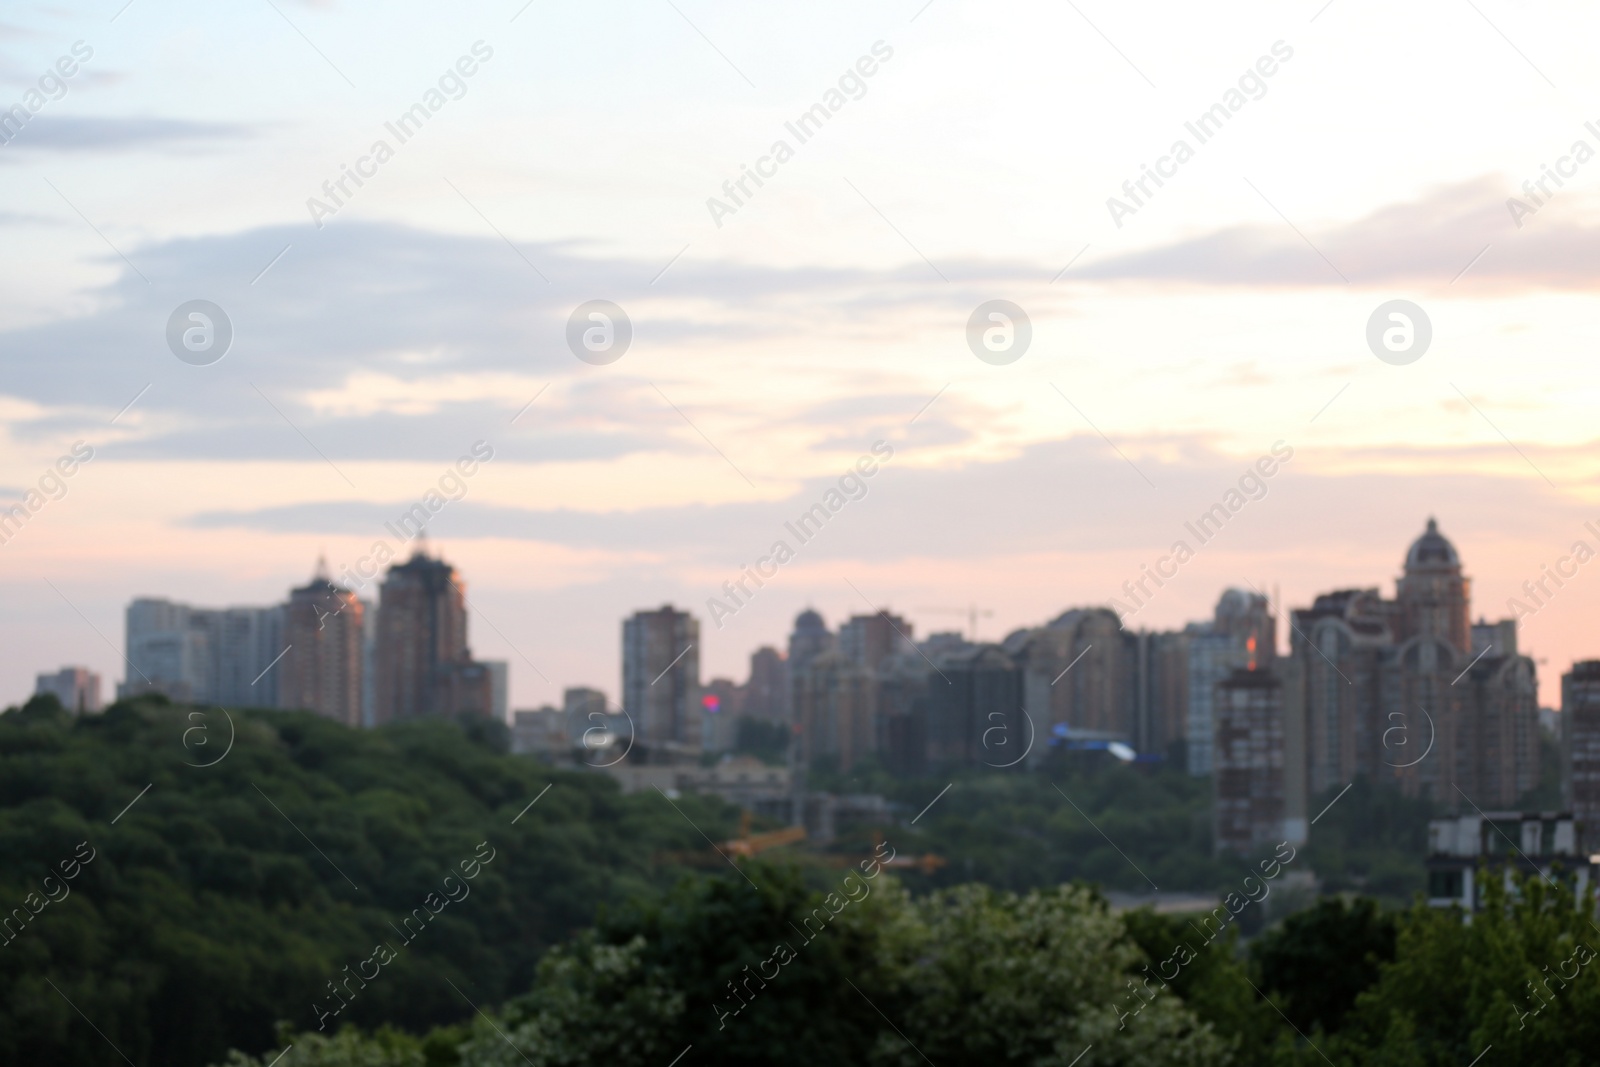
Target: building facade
{"type": "Point", "coordinates": [322, 671]}
{"type": "Point", "coordinates": [1248, 762]}
{"type": "Point", "coordinates": [78, 688]}
{"type": "Point", "coordinates": [769, 679]}
{"type": "Point", "coordinates": [1538, 844]}
{"type": "Point", "coordinates": [867, 640]}
{"type": "Point", "coordinates": [423, 663]}
{"type": "Point", "coordinates": [975, 709]}
{"type": "Point", "coordinates": [1580, 745]}
{"type": "Point", "coordinates": [1242, 633]}
{"type": "Point", "coordinates": [661, 677]}
{"type": "Point", "coordinates": [1407, 691]}
{"type": "Point", "coordinates": [835, 700]}
{"type": "Point", "coordinates": [203, 655]}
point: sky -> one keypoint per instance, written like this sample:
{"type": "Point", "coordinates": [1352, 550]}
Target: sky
{"type": "Point", "coordinates": [563, 153]}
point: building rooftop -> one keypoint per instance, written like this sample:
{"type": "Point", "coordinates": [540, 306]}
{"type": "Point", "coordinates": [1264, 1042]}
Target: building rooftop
{"type": "Point", "coordinates": [1432, 551]}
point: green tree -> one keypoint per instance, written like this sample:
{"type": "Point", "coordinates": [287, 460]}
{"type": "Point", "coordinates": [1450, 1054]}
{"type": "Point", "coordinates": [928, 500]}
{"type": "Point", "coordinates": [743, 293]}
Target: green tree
{"type": "Point", "coordinates": [1318, 961]}
{"type": "Point", "coordinates": [983, 977]}
{"type": "Point", "coordinates": [1215, 983]}
{"type": "Point", "coordinates": [857, 972]}
{"type": "Point", "coordinates": [224, 898]}
{"type": "Point", "coordinates": [1520, 976]}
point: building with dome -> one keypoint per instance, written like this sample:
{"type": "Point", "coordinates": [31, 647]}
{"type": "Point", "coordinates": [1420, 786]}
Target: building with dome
{"type": "Point", "coordinates": [1408, 690]}
{"type": "Point", "coordinates": [1432, 593]}
{"type": "Point", "coordinates": [810, 639]}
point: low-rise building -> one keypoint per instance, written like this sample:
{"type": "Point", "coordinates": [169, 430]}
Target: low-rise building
{"type": "Point", "coordinates": [78, 688]}
{"type": "Point", "coordinates": [1538, 843]}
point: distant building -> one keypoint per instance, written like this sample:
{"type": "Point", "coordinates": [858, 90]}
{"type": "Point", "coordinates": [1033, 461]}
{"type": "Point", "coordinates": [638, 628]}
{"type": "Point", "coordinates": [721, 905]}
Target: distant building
{"type": "Point", "coordinates": [765, 696]}
{"type": "Point", "coordinates": [975, 693]}
{"type": "Point", "coordinates": [1249, 808]}
{"type": "Point", "coordinates": [166, 653]}
{"type": "Point", "coordinates": [1164, 694]}
{"type": "Point", "coordinates": [901, 719]}
{"type": "Point", "coordinates": [584, 709]}
{"type": "Point", "coordinates": [661, 677]}
{"type": "Point", "coordinates": [809, 639]}
{"type": "Point", "coordinates": [741, 780]}
{"type": "Point", "coordinates": [424, 666]}
{"type": "Point", "coordinates": [1406, 691]}
{"type": "Point", "coordinates": [937, 644]}
{"type": "Point", "coordinates": [369, 663]}
{"type": "Point", "coordinates": [202, 655]}
{"type": "Point", "coordinates": [1082, 674]}
{"type": "Point", "coordinates": [243, 644]}
{"type": "Point", "coordinates": [1241, 634]}
{"type": "Point", "coordinates": [867, 640]}
{"type": "Point", "coordinates": [78, 688]}
{"type": "Point", "coordinates": [721, 707]}
{"type": "Point", "coordinates": [1542, 844]}
{"type": "Point", "coordinates": [541, 732]}
{"type": "Point", "coordinates": [499, 688]}
{"type": "Point", "coordinates": [835, 702]}
{"type": "Point", "coordinates": [322, 669]}
{"type": "Point", "coordinates": [1580, 743]}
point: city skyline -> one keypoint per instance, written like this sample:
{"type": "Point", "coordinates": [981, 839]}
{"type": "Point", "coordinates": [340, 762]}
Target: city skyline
{"type": "Point", "coordinates": [1170, 348]}
{"type": "Point", "coordinates": [1239, 614]}
{"type": "Point", "coordinates": [1044, 458]}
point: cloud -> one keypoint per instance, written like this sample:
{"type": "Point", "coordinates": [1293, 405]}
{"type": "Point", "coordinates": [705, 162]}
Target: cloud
{"type": "Point", "coordinates": [13, 218]}
{"type": "Point", "coordinates": [385, 341]}
{"type": "Point", "coordinates": [1074, 495]}
{"type": "Point", "coordinates": [90, 133]}
{"type": "Point", "coordinates": [1428, 241]}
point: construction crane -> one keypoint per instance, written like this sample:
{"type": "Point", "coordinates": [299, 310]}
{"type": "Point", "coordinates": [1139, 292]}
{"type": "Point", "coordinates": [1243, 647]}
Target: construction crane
{"type": "Point", "coordinates": [971, 611]}
{"type": "Point", "coordinates": [927, 863]}
{"type": "Point", "coordinates": [745, 846]}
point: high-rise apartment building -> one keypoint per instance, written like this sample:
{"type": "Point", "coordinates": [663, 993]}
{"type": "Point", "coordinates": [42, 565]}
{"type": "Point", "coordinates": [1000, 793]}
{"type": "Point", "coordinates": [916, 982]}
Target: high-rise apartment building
{"type": "Point", "coordinates": [1406, 690]}
{"type": "Point", "coordinates": [901, 706]}
{"type": "Point", "coordinates": [584, 709]}
{"type": "Point", "coordinates": [424, 666]}
{"type": "Point", "coordinates": [322, 669]}
{"type": "Point", "coordinates": [809, 639]}
{"type": "Point", "coordinates": [166, 653]}
{"type": "Point", "coordinates": [835, 708]}
{"type": "Point", "coordinates": [661, 677]}
{"type": "Point", "coordinates": [499, 688]}
{"type": "Point", "coordinates": [1082, 673]}
{"type": "Point", "coordinates": [769, 681]}
{"type": "Point", "coordinates": [203, 655]}
{"type": "Point", "coordinates": [1580, 743]}
{"type": "Point", "coordinates": [78, 688]}
{"type": "Point", "coordinates": [1248, 760]}
{"type": "Point", "coordinates": [975, 709]}
{"type": "Point", "coordinates": [721, 707]}
{"type": "Point", "coordinates": [243, 643]}
{"type": "Point", "coordinates": [867, 640]}
{"type": "Point", "coordinates": [1242, 633]}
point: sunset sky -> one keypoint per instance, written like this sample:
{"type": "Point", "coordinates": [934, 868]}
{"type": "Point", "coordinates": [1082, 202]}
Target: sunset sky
{"type": "Point", "coordinates": [773, 346]}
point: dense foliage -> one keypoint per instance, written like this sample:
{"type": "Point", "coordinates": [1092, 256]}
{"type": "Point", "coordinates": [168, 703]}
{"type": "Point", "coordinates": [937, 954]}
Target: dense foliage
{"type": "Point", "coordinates": [414, 897]}
{"type": "Point", "coordinates": [1520, 978]}
{"type": "Point", "coordinates": [1133, 829]}
{"type": "Point", "coordinates": [228, 897]}
{"type": "Point", "coordinates": [768, 973]}
{"type": "Point", "coordinates": [974, 976]}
